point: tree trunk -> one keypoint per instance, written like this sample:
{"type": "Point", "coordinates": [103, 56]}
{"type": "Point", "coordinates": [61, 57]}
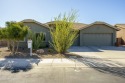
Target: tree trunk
{"type": "Point", "coordinates": [17, 46]}
{"type": "Point", "coordinates": [8, 44]}
{"type": "Point", "coordinates": [13, 47]}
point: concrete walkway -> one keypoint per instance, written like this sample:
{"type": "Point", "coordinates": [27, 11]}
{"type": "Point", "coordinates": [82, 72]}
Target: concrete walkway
{"type": "Point", "coordinates": [26, 64]}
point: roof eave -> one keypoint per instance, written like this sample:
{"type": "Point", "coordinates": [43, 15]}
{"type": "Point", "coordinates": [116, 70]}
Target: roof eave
{"type": "Point", "coordinates": [117, 29]}
{"type": "Point", "coordinates": [35, 22]}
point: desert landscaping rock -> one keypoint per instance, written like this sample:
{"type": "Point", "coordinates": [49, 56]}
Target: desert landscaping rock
{"type": "Point", "coordinates": [40, 51]}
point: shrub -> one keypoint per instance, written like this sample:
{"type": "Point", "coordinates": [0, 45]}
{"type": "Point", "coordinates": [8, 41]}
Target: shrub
{"type": "Point", "coordinates": [13, 33]}
{"type": "Point", "coordinates": [63, 34]}
{"type": "Point", "coordinates": [37, 39]}
{"type": "Point", "coordinates": [50, 50]}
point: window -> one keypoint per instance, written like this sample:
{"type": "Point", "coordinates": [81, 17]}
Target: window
{"type": "Point", "coordinates": [37, 34]}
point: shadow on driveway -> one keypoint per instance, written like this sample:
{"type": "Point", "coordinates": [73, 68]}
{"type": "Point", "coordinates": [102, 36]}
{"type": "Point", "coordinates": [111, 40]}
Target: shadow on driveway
{"type": "Point", "coordinates": [95, 48]}
{"type": "Point", "coordinates": [83, 49]}
{"type": "Point", "coordinates": [101, 65]}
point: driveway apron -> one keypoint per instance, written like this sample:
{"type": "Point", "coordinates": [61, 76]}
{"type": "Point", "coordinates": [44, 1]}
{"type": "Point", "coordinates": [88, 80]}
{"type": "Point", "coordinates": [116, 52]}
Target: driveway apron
{"type": "Point", "coordinates": [93, 60]}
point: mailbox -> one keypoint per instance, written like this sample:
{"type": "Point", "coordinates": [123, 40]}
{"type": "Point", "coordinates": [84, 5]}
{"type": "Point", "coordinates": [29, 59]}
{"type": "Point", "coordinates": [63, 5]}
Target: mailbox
{"type": "Point", "coordinates": [30, 46]}
{"type": "Point", "coordinates": [29, 43]}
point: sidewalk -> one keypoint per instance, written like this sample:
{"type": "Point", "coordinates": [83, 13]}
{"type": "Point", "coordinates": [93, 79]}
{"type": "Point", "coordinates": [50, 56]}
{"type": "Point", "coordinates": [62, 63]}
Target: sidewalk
{"type": "Point", "coordinates": [60, 63]}
{"type": "Point", "coordinates": [39, 63]}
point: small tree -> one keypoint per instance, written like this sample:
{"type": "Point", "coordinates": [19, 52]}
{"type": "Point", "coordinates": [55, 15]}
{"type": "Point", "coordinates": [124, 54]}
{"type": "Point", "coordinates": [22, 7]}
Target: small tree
{"type": "Point", "coordinates": [63, 34]}
{"type": "Point", "coordinates": [14, 32]}
{"type": "Point", "coordinates": [3, 33]}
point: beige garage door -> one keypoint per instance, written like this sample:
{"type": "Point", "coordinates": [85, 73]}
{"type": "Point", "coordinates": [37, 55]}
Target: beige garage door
{"type": "Point", "coordinates": [96, 39]}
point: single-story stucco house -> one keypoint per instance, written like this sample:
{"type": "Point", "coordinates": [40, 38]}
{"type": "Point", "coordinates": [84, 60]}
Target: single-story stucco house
{"type": "Point", "coordinates": [95, 34]}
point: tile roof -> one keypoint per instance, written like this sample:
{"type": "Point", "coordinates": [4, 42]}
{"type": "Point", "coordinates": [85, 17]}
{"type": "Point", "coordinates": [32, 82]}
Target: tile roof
{"type": "Point", "coordinates": [120, 26]}
{"type": "Point", "coordinates": [79, 25]}
{"type": "Point", "coordinates": [99, 22]}
{"type": "Point", "coordinates": [75, 25]}
{"type": "Point", "coordinates": [31, 20]}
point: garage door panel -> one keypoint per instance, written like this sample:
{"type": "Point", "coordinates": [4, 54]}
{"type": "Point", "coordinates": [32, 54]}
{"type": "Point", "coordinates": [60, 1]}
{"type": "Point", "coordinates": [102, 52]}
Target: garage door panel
{"type": "Point", "coordinates": [96, 39]}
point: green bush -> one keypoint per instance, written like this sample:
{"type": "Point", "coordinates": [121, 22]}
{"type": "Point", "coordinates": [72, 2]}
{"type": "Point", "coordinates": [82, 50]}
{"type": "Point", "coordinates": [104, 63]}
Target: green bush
{"type": "Point", "coordinates": [50, 50]}
{"type": "Point", "coordinates": [37, 39]}
{"type": "Point", "coordinates": [63, 35]}
{"type": "Point", "coordinates": [13, 33]}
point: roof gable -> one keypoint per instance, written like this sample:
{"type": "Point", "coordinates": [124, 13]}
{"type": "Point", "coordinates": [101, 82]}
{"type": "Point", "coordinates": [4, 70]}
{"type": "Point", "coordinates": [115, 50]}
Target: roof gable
{"type": "Point", "coordinates": [98, 22]}
{"type": "Point", "coordinates": [34, 21]}
{"type": "Point", "coordinates": [76, 26]}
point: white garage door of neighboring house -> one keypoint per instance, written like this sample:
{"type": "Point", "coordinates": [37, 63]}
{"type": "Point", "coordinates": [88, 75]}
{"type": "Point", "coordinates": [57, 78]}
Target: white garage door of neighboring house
{"type": "Point", "coordinates": [96, 39]}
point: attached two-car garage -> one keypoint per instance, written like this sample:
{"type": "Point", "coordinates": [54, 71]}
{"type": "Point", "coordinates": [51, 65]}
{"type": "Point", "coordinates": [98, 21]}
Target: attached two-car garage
{"type": "Point", "coordinates": [97, 39]}
{"type": "Point", "coordinates": [97, 34]}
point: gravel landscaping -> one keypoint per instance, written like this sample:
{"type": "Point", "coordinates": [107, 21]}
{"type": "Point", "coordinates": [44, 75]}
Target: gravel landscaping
{"type": "Point", "coordinates": [48, 53]}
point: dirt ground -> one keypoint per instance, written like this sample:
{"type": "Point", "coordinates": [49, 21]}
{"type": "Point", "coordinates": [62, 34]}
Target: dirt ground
{"type": "Point", "coordinates": [48, 53]}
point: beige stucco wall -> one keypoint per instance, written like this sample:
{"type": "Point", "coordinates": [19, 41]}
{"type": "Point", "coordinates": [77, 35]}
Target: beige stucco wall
{"type": "Point", "coordinates": [121, 34]}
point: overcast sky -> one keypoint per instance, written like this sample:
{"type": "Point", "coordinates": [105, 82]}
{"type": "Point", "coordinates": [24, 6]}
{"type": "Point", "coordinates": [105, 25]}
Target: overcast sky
{"type": "Point", "coordinates": [110, 11]}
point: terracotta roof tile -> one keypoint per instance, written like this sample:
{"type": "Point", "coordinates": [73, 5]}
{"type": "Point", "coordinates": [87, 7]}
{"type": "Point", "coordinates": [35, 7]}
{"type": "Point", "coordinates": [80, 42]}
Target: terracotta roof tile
{"type": "Point", "coordinates": [120, 26]}
{"type": "Point", "coordinates": [75, 25]}
{"type": "Point", "coordinates": [31, 20]}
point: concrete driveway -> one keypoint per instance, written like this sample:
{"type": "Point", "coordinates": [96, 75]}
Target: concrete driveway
{"type": "Point", "coordinates": [105, 59]}
{"type": "Point", "coordinates": [105, 52]}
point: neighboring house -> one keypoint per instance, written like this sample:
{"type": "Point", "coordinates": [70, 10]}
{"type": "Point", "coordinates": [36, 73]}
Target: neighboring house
{"type": "Point", "coordinates": [121, 33]}
{"type": "Point", "coordinates": [95, 34]}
